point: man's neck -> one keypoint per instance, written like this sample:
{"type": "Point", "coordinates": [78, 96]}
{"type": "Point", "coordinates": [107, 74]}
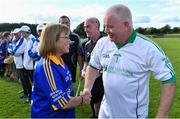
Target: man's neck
{"type": "Point", "coordinates": [96, 37]}
{"type": "Point", "coordinates": [124, 39]}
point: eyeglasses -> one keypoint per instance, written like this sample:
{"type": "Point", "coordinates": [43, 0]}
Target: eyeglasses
{"type": "Point", "coordinates": [65, 37]}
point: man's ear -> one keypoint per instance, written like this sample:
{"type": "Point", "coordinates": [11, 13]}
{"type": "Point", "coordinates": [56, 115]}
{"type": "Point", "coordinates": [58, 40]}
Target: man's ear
{"type": "Point", "coordinates": [126, 25]}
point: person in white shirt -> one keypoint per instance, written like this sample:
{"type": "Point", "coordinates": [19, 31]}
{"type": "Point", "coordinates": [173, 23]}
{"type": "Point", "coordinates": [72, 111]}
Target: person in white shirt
{"type": "Point", "coordinates": [17, 51]}
{"type": "Point", "coordinates": [126, 60]}
{"type": "Point", "coordinates": [28, 62]}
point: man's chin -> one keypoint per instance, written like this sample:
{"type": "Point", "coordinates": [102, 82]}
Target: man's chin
{"type": "Point", "coordinates": [111, 38]}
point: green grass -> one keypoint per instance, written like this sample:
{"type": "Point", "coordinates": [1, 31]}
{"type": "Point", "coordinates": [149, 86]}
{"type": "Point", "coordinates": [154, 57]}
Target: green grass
{"type": "Point", "coordinates": [12, 107]}
{"type": "Point", "coordinates": [171, 47]}
{"type": "Point", "coordinates": [173, 34]}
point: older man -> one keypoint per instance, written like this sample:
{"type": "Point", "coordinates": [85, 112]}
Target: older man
{"type": "Point", "coordinates": [127, 59]}
{"type": "Point", "coordinates": [18, 47]}
{"type": "Point", "coordinates": [91, 27]}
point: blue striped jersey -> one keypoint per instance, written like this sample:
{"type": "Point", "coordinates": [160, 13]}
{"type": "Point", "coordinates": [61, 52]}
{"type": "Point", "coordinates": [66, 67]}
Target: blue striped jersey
{"type": "Point", "coordinates": [52, 89]}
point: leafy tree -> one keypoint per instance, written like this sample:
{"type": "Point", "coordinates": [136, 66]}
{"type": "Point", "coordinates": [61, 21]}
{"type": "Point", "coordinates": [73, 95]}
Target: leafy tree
{"type": "Point", "coordinates": [176, 30]}
{"type": "Point", "coordinates": [12, 26]}
{"type": "Point", "coordinates": [80, 30]}
{"type": "Point", "coordinates": [166, 29]}
{"type": "Point", "coordinates": [140, 30]}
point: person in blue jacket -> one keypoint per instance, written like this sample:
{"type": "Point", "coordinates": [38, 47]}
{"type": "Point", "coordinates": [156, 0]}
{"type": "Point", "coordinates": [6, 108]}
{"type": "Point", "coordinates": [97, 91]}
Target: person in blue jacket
{"type": "Point", "coordinates": [33, 52]}
{"type": "Point", "coordinates": [3, 52]}
{"type": "Point", "coordinates": [52, 92]}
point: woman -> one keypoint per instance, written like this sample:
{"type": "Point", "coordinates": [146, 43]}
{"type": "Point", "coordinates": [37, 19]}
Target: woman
{"type": "Point", "coordinates": [52, 95]}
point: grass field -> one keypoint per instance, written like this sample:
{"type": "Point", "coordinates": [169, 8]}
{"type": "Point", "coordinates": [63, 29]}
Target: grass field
{"type": "Point", "coordinates": [172, 50]}
{"type": "Point", "coordinates": [174, 34]}
{"type": "Point", "coordinates": [12, 107]}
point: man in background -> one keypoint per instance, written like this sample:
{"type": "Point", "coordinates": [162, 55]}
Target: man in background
{"type": "Point", "coordinates": [91, 27]}
{"type": "Point", "coordinates": [72, 57]}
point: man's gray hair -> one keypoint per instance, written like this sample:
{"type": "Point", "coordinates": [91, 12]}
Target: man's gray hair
{"type": "Point", "coordinates": [93, 20]}
{"type": "Point", "coordinates": [122, 11]}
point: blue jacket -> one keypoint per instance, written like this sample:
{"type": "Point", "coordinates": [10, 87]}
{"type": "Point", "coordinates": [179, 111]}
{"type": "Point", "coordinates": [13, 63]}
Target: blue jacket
{"type": "Point", "coordinates": [52, 89]}
{"type": "Point", "coordinates": [18, 47]}
{"type": "Point", "coordinates": [33, 51]}
{"type": "Point", "coordinates": [3, 50]}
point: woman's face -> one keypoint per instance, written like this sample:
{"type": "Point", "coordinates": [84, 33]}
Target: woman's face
{"type": "Point", "coordinates": [63, 44]}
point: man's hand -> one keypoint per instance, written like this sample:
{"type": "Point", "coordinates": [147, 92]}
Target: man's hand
{"type": "Point", "coordinates": [86, 94]}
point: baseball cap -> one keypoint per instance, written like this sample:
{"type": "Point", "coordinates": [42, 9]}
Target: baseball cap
{"type": "Point", "coordinates": [16, 30]}
{"type": "Point", "coordinates": [26, 28]}
{"type": "Point", "coordinates": [40, 27]}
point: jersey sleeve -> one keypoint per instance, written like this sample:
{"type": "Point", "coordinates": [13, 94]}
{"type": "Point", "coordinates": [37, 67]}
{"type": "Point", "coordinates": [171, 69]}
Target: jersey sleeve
{"type": "Point", "coordinates": [95, 57]}
{"type": "Point", "coordinates": [33, 51]}
{"type": "Point", "coordinates": [18, 49]}
{"type": "Point", "coordinates": [161, 66]}
{"type": "Point", "coordinates": [3, 51]}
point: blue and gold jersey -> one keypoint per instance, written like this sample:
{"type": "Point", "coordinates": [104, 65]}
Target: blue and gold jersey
{"type": "Point", "coordinates": [52, 89]}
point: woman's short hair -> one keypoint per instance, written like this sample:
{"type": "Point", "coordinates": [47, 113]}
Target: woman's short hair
{"type": "Point", "coordinates": [5, 34]}
{"type": "Point", "coordinates": [49, 37]}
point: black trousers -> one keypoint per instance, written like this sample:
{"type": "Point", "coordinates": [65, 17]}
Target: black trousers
{"type": "Point", "coordinates": [23, 79]}
{"type": "Point", "coordinates": [29, 79]}
{"type": "Point", "coordinates": [26, 77]}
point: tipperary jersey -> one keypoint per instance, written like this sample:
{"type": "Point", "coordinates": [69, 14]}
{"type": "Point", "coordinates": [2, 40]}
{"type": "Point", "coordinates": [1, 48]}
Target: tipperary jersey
{"type": "Point", "coordinates": [52, 89]}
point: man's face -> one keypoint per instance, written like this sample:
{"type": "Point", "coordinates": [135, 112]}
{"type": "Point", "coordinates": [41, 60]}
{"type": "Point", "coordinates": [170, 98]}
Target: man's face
{"type": "Point", "coordinates": [9, 37]}
{"type": "Point", "coordinates": [90, 28]}
{"type": "Point", "coordinates": [114, 27]}
{"type": "Point", "coordinates": [17, 35]}
{"type": "Point", "coordinates": [65, 21]}
{"type": "Point", "coordinates": [24, 34]}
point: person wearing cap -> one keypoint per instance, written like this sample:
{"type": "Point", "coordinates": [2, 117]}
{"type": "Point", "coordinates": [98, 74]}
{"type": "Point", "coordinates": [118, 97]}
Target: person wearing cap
{"type": "Point", "coordinates": [34, 50]}
{"type": "Point", "coordinates": [28, 62]}
{"type": "Point", "coordinates": [72, 57]}
{"type": "Point", "coordinates": [18, 47]}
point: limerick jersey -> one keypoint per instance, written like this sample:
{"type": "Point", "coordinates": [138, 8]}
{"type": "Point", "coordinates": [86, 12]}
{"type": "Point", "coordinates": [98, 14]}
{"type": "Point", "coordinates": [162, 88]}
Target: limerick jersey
{"type": "Point", "coordinates": [126, 71]}
{"type": "Point", "coordinates": [52, 90]}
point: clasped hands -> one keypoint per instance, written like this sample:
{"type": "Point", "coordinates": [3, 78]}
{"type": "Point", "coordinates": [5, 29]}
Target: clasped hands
{"type": "Point", "coordinates": [86, 97]}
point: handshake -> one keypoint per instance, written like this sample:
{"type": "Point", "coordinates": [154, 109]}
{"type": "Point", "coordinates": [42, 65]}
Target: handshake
{"type": "Point", "coordinates": [85, 97]}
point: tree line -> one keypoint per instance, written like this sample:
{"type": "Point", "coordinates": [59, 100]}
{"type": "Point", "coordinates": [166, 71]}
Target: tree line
{"type": "Point", "coordinates": [167, 29]}
{"type": "Point", "coordinates": [11, 26]}
{"type": "Point", "coordinates": [146, 31]}
{"type": "Point", "coordinates": [163, 30]}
